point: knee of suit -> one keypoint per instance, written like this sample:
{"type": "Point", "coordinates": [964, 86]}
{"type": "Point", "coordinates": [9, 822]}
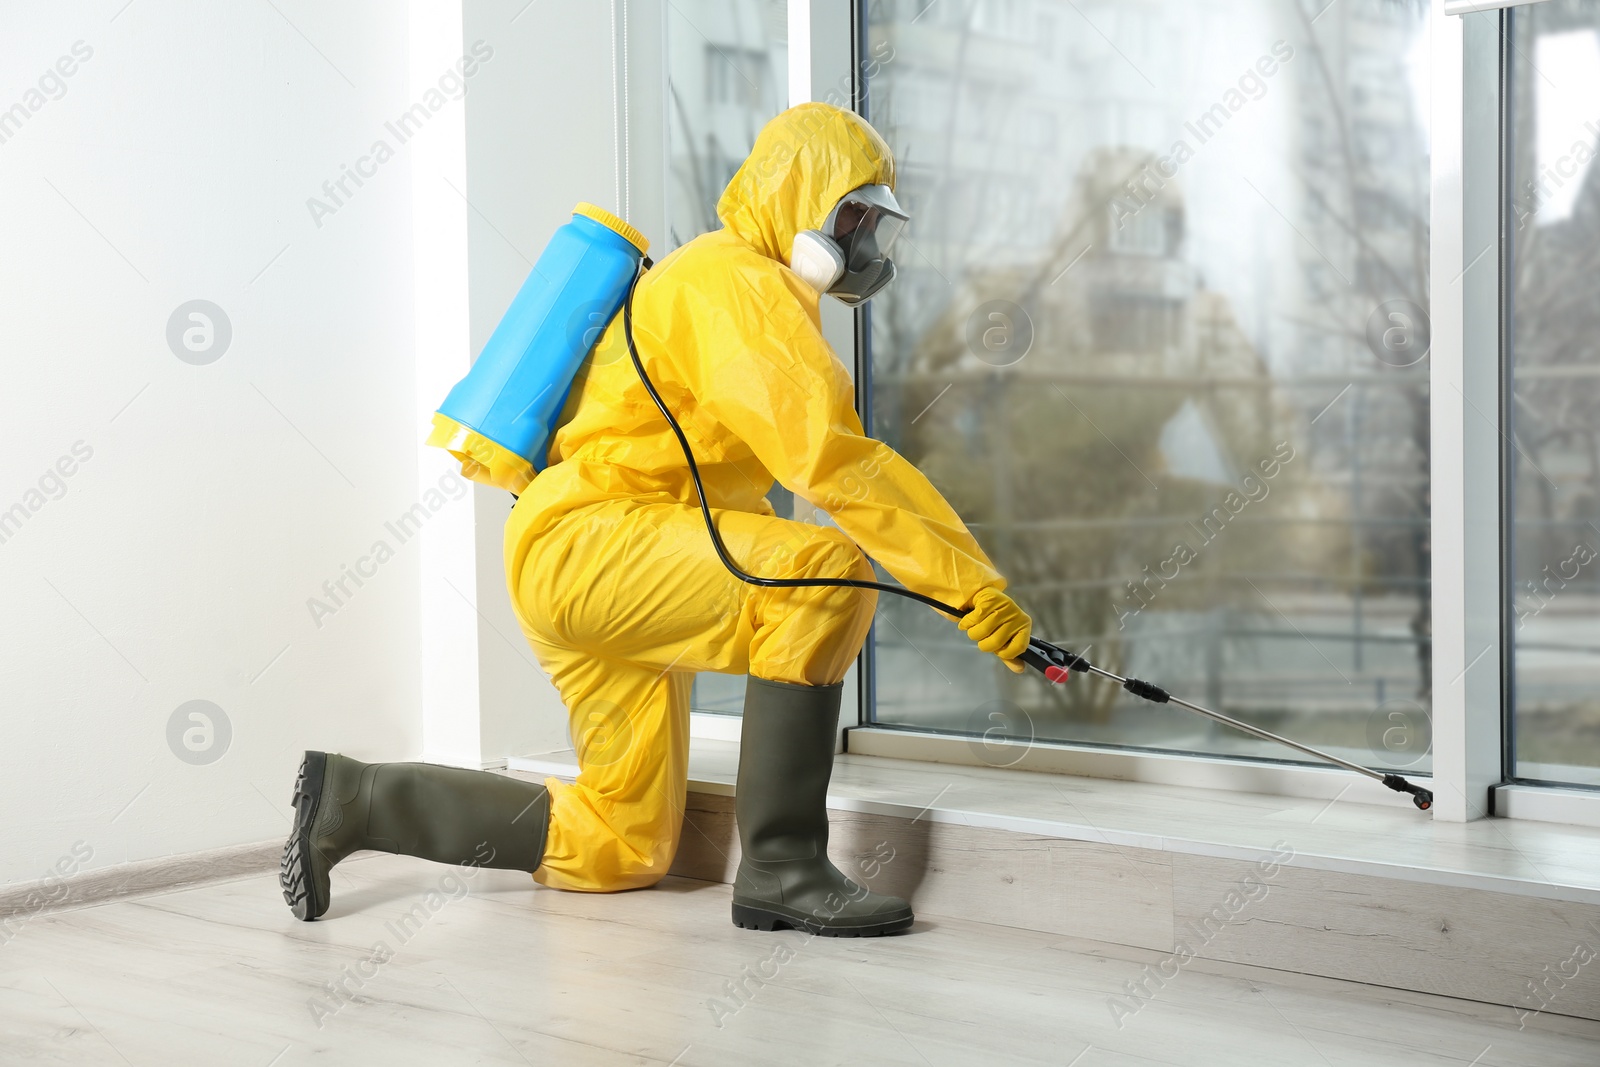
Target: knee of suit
{"type": "Point", "coordinates": [612, 880]}
{"type": "Point", "coordinates": [618, 879]}
{"type": "Point", "coordinates": [830, 554]}
{"type": "Point", "coordinates": [611, 867]}
{"type": "Point", "coordinates": [594, 857]}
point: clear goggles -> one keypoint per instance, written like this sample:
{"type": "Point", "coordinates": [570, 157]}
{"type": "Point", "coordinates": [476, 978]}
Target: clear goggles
{"type": "Point", "coordinates": [866, 223]}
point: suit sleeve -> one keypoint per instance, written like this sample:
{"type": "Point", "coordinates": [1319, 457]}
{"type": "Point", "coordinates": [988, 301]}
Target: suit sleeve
{"type": "Point", "coordinates": [761, 367]}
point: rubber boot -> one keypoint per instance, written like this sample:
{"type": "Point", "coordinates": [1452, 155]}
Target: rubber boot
{"type": "Point", "coordinates": [446, 814]}
{"type": "Point", "coordinates": [785, 880]}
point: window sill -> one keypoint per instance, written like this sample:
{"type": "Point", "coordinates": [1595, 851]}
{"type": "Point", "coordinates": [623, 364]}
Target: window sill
{"type": "Point", "coordinates": [1337, 834]}
{"type": "Point", "coordinates": [1159, 768]}
{"type": "Point", "coordinates": [1548, 803]}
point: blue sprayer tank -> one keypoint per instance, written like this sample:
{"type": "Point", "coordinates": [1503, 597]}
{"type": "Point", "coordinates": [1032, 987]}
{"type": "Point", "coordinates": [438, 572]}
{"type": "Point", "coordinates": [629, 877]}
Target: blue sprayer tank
{"type": "Point", "coordinates": [498, 419]}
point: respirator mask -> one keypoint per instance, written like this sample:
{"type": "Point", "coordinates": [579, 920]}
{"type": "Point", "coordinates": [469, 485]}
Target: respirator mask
{"type": "Point", "coordinates": [848, 258]}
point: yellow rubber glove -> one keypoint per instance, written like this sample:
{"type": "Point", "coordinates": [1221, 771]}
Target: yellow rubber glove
{"type": "Point", "coordinates": [998, 625]}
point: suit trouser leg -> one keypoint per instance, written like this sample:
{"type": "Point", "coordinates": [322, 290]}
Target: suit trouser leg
{"type": "Point", "coordinates": [623, 606]}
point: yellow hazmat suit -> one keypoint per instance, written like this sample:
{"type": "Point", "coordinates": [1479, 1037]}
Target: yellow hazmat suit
{"type": "Point", "coordinates": [613, 576]}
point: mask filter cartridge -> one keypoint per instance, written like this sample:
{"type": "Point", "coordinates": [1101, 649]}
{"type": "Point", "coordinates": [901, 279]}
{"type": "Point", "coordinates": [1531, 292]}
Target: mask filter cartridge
{"type": "Point", "coordinates": [817, 259]}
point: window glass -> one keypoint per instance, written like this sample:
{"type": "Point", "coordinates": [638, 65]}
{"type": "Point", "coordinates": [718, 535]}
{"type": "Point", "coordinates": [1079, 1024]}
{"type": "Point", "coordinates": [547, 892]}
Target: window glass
{"type": "Point", "coordinates": [1160, 335]}
{"type": "Point", "coordinates": [1554, 598]}
{"type": "Point", "coordinates": [727, 74]}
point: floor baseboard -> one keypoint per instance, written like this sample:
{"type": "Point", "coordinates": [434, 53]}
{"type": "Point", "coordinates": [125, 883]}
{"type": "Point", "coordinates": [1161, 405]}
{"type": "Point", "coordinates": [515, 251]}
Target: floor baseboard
{"type": "Point", "coordinates": [22, 901]}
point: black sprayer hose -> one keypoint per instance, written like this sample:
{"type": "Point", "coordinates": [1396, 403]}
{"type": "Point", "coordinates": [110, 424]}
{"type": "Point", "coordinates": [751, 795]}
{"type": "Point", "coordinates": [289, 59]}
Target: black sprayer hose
{"type": "Point", "coordinates": [705, 508]}
{"type": "Point", "coordinates": [1054, 662]}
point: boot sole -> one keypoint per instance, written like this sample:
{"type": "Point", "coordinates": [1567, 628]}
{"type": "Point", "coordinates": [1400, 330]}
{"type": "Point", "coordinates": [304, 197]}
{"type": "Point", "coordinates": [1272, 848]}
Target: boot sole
{"type": "Point", "coordinates": [294, 869]}
{"type": "Point", "coordinates": [746, 917]}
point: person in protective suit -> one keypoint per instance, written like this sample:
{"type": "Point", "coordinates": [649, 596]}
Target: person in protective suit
{"type": "Point", "coordinates": [623, 598]}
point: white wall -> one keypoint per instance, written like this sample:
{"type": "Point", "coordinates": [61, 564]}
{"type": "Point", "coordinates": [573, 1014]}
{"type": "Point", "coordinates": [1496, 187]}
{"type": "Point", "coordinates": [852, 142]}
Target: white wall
{"type": "Point", "coordinates": [218, 498]}
{"type": "Point", "coordinates": [181, 558]}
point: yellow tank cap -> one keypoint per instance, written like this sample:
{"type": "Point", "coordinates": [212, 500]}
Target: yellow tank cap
{"type": "Point", "coordinates": [481, 459]}
{"type": "Point", "coordinates": [606, 218]}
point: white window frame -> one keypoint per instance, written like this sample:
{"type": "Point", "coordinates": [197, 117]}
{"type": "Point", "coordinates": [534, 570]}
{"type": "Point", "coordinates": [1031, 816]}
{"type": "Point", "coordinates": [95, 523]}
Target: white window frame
{"type": "Point", "coordinates": [1464, 393]}
{"type": "Point", "coordinates": [1490, 91]}
{"type": "Point", "coordinates": [1466, 373]}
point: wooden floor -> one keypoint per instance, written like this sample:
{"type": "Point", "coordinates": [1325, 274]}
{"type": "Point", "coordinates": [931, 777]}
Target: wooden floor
{"type": "Point", "coordinates": [492, 969]}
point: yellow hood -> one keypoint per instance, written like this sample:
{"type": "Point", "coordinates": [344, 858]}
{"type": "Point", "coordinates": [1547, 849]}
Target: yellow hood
{"type": "Point", "coordinates": [733, 340]}
{"type": "Point", "coordinates": [803, 161]}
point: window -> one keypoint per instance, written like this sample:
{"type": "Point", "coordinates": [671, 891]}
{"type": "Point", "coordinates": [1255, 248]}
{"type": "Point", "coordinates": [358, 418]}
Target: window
{"type": "Point", "coordinates": [727, 74]}
{"type": "Point", "coordinates": [1137, 232]}
{"type": "Point", "coordinates": [735, 77]}
{"type": "Point", "coordinates": [1553, 622]}
{"type": "Point", "coordinates": [1199, 450]}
